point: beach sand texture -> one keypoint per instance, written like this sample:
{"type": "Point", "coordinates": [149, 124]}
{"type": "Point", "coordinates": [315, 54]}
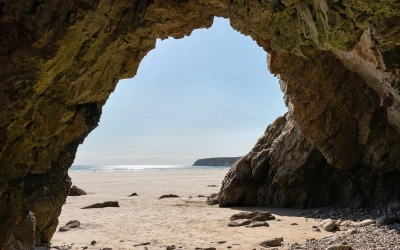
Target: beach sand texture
{"type": "Point", "coordinates": [184, 222]}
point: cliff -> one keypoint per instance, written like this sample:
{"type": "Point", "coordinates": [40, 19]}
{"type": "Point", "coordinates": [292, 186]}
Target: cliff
{"type": "Point", "coordinates": [338, 62]}
{"type": "Point", "coordinates": [219, 161]}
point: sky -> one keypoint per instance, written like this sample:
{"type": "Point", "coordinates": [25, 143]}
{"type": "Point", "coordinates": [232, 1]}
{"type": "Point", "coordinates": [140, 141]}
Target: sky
{"type": "Point", "coordinates": [209, 94]}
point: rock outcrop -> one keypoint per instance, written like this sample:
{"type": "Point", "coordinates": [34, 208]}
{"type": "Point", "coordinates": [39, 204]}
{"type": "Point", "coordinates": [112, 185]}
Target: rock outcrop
{"type": "Point", "coordinates": [338, 62]}
{"type": "Point", "coordinates": [219, 161]}
{"type": "Point", "coordinates": [75, 191]}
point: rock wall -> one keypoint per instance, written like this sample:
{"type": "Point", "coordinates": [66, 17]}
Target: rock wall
{"type": "Point", "coordinates": [338, 62]}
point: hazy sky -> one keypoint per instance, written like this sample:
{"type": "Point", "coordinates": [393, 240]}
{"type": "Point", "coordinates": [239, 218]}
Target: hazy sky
{"type": "Point", "coordinates": [207, 95]}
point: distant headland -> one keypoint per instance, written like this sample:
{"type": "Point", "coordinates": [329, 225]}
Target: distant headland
{"type": "Point", "coordinates": [218, 161]}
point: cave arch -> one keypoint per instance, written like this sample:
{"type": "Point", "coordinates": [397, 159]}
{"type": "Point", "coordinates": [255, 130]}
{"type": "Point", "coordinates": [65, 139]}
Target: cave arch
{"type": "Point", "coordinates": [184, 102]}
{"type": "Point", "coordinates": [337, 61]}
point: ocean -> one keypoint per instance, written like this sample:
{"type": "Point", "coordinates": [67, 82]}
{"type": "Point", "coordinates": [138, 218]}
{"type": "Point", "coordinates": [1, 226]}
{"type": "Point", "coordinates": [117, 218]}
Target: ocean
{"type": "Point", "coordinates": [84, 168]}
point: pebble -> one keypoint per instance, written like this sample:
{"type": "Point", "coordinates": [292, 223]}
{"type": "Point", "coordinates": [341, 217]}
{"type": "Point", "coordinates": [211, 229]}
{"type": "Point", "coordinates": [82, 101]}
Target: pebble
{"type": "Point", "coordinates": [370, 226]}
{"type": "Point", "coordinates": [316, 229]}
{"type": "Point", "coordinates": [365, 223]}
{"type": "Point", "coordinates": [328, 225]}
{"type": "Point", "coordinates": [351, 231]}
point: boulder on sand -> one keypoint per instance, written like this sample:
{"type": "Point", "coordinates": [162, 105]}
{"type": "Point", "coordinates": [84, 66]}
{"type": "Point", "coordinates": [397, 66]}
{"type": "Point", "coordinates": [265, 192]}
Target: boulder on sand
{"type": "Point", "coordinates": [70, 224]}
{"type": "Point", "coordinates": [104, 204]}
{"type": "Point", "coordinates": [75, 191]}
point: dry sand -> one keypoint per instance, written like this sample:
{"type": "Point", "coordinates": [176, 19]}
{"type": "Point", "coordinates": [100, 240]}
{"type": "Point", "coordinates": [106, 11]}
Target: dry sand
{"type": "Point", "coordinates": [184, 222]}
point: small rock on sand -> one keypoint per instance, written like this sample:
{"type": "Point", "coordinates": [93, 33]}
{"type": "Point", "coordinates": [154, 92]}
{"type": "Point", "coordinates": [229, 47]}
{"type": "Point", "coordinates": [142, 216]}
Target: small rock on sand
{"type": "Point", "coordinates": [275, 242]}
{"type": "Point", "coordinates": [315, 229]}
{"type": "Point", "coordinates": [133, 194]}
{"type": "Point", "coordinates": [75, 191]}
{"type": "Point", "coordinates": [212, 186]}
{"type": "Point", "coordinates": [238, 223]}
{"type": "Point", "coordinates": [104, 204]}
{"type": "Point", "coordinates": [328, 225]}
{"type": "Point", "coordinates": [258, 224]}
{"type": "Point", "coordinates": [70, 224]}
{"type": "Point", "coordinates": [142, 244]}
{"type": "Point", "coordinates": [254, 216]}
{"type": "Point", "coordinates": [168, 196]}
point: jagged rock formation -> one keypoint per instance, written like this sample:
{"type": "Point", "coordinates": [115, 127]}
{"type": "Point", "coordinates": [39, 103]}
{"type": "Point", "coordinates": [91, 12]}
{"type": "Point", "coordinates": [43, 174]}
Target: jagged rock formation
{"type": "Point", "coordinates": [338, 62]}
{"type": "Point", "coordinates": [219, 161]}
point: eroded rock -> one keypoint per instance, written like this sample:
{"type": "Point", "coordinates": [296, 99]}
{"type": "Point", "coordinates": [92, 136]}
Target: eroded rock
{"type": "Point", "coordinates": [212, 199]}
{"type": "Point", "coordinates": [339, 69]}
{"type": "Point", "coordinates": [24, 235]}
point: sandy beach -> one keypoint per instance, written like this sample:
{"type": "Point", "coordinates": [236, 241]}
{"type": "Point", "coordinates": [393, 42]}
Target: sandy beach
{"type": "Point", "coordinates": [186, 222]}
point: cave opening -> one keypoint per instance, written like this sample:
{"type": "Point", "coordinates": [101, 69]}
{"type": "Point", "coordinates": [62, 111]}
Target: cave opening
{"type": "Point", "coordinates": [184, 101]}
{"type": "Point", "coordinates": [62, 59]}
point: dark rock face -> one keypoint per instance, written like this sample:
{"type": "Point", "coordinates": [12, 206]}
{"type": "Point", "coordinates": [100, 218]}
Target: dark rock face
{"type": "Point", "coordinates": [338, 62]}
{"type": "Point", "coordinates": [219, 161]}
{"type": "Point", "coordinates": [327, 149]}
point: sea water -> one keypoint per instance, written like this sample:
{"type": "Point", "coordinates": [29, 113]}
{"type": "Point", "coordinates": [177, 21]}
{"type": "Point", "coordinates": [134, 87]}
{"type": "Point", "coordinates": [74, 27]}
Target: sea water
{"type": "Point", "coordinates": [82, 168]}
